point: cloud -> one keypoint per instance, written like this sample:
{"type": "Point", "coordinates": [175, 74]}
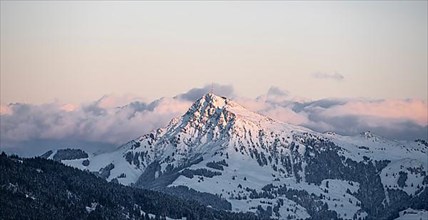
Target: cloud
{"type": "Point", "coordinates": [392, 118]}
{"type": "Point", "coordinates": [97, 123]}
{"type": "Point", "coordinates": [355, 124]}
{"type": "Point", "coordinates": [396, 119]}
{"type": "Point", "coordinates": [334, 76]}
{"type": "Point", "coordinates": [5, 110]}
{"type": "Point", "coordinates": [113, 120]}
{"type": "Point", "coordinates": [111, 101]}
{"type": "Point", "coordinates": [276, 91]}
{"type": "Point", "coordinates": [194, 94]}
{"type": "Point", "coordinates": [274, 95]}
{"type": "Point", "coordinates": [412, 110]}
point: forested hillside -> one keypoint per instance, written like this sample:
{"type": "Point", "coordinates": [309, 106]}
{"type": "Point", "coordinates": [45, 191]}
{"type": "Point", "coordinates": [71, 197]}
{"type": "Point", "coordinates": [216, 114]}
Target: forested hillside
{"type": "Point", "coordinates": [45, 189]}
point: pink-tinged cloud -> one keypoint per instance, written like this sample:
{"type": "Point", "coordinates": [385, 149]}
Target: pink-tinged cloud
{"type": "Point", "coordinates": [5, 110]}
{"type": "Point", "coordinates": [100, 121]}
{"type": "Point", "coordinates": [397, 119]}
{"type": "Point", "coordinates": [270, 108]}
{"type": "Point", "coordinates": [115, 120]}
{"type": "Point", "coordinates": [286, 115]}
{"type": "Point", "coordinates": [172, 106]}
{"type": "Point", "coordinates": [112, 101]}
{"type": "Point", "coordinates": [69, 107]}
{"type": "Point", "coordinates": [413, 110]}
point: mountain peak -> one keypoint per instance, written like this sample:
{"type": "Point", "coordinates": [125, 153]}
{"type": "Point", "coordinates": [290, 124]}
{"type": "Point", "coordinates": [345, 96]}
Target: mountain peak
{"type": "Point", "coordinates": [209, 107]}
{"type": "Point", "coordinates": [220, 148]}
{"type": "Point", "coordinates": [209, 102]}
{"type": "Point", "coordinates": [215, 100]}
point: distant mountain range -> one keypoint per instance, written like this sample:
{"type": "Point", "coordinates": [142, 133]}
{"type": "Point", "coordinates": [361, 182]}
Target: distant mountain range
{"type": "Point", "coordinates": [229, 158]}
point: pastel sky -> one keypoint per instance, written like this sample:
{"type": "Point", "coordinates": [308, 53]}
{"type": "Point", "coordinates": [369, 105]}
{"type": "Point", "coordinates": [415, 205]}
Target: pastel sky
{"type": "Point", "coordinates": [79, 51]}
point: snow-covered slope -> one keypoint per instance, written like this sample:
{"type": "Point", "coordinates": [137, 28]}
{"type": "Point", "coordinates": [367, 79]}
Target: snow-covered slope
{"type": "Point", "coordinates": [275, 169]}
{"type": "Point", "coordinates": [410, 214]}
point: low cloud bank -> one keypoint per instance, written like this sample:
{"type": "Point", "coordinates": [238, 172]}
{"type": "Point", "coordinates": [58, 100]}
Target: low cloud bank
{"type": "Point", "coordinates": [110, 121]}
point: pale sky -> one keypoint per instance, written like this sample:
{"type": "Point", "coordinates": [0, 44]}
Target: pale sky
{"type": "Point", "coordinates": [79, 51]}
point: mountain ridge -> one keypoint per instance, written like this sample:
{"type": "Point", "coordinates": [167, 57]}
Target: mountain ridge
{"type": "Point", "coordinates": [274, 169]}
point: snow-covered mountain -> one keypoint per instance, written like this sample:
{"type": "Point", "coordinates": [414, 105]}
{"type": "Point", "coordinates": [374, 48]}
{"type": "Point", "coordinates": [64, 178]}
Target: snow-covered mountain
{"type": "Point", "coordinates": [228, 157]}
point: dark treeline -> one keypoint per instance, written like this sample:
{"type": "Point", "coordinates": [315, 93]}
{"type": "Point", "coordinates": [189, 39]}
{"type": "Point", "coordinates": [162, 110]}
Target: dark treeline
{"type": "Point", "coordinates": [37, 188]}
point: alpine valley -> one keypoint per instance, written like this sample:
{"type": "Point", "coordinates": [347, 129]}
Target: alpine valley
{"type": "Point", "coordinates": [229, 158]}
